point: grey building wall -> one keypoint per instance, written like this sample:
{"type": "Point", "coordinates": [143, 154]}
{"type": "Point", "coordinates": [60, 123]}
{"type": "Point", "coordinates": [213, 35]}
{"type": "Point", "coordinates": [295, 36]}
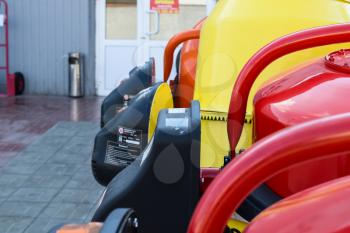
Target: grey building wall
{"type": "Point", "coordinates": [42, 33]}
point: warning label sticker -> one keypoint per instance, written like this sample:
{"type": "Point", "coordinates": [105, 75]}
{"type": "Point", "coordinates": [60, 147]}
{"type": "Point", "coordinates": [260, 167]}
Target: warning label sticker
{"type": "Point", "coordinates": [125, 149]}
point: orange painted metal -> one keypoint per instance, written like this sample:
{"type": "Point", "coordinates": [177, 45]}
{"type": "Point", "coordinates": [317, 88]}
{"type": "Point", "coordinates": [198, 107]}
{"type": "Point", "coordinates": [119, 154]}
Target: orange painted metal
{"type": "Point", "coordinates": [184, 89]}
{"type": "Point", "coordinates": [173, 43]}
{"type": "Point", "coordinates": [84, 228]}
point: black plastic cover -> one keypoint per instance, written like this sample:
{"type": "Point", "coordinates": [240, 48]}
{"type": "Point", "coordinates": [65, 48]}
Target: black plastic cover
{"type": "Point", "coordinates": [120, 221]}
{"type": "Point", "coordinates": [257, 201]}
{"type": "Point", "coordinates": [162, 185]}
{"type": "Point", "coordinates": [123, 138]}
{"type": "Point", "coordinates": [140, 78]}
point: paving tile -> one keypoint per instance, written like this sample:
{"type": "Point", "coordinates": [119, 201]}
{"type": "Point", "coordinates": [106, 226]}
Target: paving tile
{"type": "Point", "coordinates": [81, 196]}
{"type": "Point", "coordinates": [91, 213]}
{"type": "Point", "coordinates": [85, 177]}
{"type": "Point", "coordinates": [6, 157]}
{"type": "Point", "coordinates": [16, 137]}
{"type": "Point", "coordinates": [14, 224]}
{"type": "Point", "coordinates": [12, 180]}
{"type": "Point", "coordinates": [44, 225]}
{"type": "Point", "coordinates": [30, 157]}
{"type": "Point", "coordinates": [84, 140]}
{"type": "Point", "coordinates": [70, 158]}
{"type": "Point", "coordinates": [81, 150]}
{"type": "Point", "coordinates": [77, 147]}
{"type": "Point", "coordinates": [67, 211]}
{"type": "Point", "coordinates": [6, 192]}
{"type": "Point", "coordinates": [37, 181]}
{"type": "Point", "coordinates": [84, 171]}
{"type": "Point", "coordinates": [3, 163]}
{"type": "Point", "coordinates": [52, 169]}
{"type": "Point", "coordinates": [58, 130]}
{"type": "Point", "coordinates": [21, 168]}
{"type": "Point", "coordinates": [47, 149]}
{"type": "Point", "coordinates": [83, 181]}
{"type": "Point", "coordinates": [33, 194]}
{"type": "Point", "coordinates": [88, 125]}
{"type": "Point", "coordinates": [81, 125]}
{"type": "Point", "coordinates": [50, 182]}
{"type": "Point", "coordinates": [21, 209]}
{"type": "Point", "coordinates": [70, 125]}
{"type": "Point", "coordinates": [54, 140]}
{"type": "Point", "coordinates": [2, 199]}
{"type": "Point", "coordinates": [88, 132]}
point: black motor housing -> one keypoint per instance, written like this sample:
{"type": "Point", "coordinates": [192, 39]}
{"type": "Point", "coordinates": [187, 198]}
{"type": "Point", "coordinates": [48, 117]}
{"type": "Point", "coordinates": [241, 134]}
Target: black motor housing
{"type": "Point", "coordinates": [140, 77]}
{"type": "Point", "coordinates": [162, 185]}
{"type": "Point", "coordinates": [123, 138]}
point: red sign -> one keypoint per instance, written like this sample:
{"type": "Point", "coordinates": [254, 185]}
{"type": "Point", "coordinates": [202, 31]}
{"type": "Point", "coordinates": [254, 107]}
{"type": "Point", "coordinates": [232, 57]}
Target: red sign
{"type": "Point", "coordinates": [165, 6]}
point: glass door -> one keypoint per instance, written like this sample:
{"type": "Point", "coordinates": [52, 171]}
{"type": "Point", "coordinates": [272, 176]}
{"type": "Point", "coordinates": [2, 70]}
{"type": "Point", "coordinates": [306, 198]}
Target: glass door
{"type": "Point", "coordinates": [189, 14]}
{"type": "Point", "coordinates": [129, 33]}
{"type": "Point", "coordinates": [117, 42]}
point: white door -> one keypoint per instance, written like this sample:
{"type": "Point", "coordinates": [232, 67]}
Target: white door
{"type": "Point", "coordinates": [129, 33]}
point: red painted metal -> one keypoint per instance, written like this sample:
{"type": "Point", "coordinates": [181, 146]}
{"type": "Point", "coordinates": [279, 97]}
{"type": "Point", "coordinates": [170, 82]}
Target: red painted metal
{"type": "Point", "coordinates": [339, 60]}
{"type": "Point", "coordinates": [312, 140]}
{"type": "Point", "coordinates": [10, 79]}
{"type": "Point", "coordinates": [304, 94]}
{"type": "Point", "coordinates": [207, 176]}
{"type": "Point", "coordinates": [294, 42]}
{"type": "Point", "coordinates": [173, 43]}
{"type": "Point", "coordinates": [323, 208]}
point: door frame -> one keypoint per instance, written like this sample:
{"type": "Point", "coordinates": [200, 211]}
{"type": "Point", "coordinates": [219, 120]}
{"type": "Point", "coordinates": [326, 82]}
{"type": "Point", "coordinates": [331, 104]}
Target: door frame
{"type": "Point", "coordinates": [102, 43]}
{"type": "Point", "coordinates": [142, 41]}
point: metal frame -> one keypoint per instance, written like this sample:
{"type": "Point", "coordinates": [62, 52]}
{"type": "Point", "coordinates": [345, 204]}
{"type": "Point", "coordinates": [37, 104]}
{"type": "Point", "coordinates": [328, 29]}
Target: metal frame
{"type": "Point", "coordinates": [10, 78]}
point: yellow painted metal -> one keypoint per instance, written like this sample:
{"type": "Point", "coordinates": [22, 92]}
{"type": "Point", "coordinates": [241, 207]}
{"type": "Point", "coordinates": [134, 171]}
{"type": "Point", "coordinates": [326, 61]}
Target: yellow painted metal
{"type": "Point", "coordinates": [237, 29]}
{"type": "Point", "coordinates": [237, 225]}
{"type": "Point", "coordinates": [162, 99]}
{"type": "Point", "coordinates": [213, 144]}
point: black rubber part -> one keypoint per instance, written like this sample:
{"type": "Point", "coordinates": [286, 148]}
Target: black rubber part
{"type": "Point", "coordinates": [177, 62]}
{"type": "Point", "coordinates": [19, 83]}
{"type": "Point", "coordinates": [177, 77]}
{"type": "Point", "coordinates": [139, 79]}
{"type": "Point", "coordinates": [120, 221]}
{"type": "Point", "coordinates": [162, 185]}
{"type": "Point", "coordinates": [257, 201]}
{"type": "Point", "coordinates": [229, 230]}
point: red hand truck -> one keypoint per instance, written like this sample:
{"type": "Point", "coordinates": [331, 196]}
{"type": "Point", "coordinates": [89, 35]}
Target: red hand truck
{"type": "Point", "coordinates": [14, 82]}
